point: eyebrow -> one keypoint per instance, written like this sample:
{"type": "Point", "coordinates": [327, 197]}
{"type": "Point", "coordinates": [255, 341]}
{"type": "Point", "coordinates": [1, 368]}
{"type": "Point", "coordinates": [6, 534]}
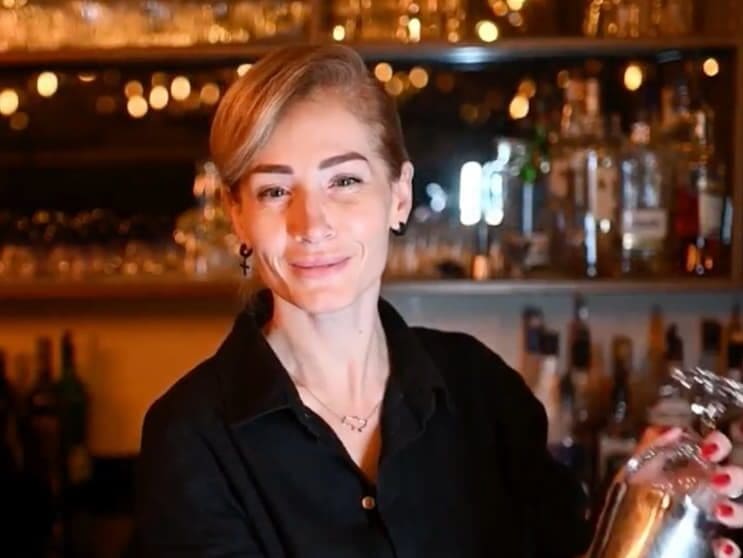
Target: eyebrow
{"type": "Point", "coordinates": [324, 164]}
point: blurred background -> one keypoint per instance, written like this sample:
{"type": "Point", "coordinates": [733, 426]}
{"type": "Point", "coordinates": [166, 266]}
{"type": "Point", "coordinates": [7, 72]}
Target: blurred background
{"type": "Point", "coordinates": [578, 201]}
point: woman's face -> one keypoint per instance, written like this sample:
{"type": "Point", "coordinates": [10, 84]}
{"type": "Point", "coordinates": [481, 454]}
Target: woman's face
{"type": "Point", "coordinates": [317, 206]}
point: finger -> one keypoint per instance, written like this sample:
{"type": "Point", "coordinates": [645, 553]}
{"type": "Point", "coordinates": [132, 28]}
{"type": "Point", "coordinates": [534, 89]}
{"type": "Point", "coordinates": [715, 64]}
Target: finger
{"type": "Point", "coordinates": [725, 548]}
{"type": "Point", "coordinates": [729, 513]}
{"type": "Point", "coordinates": [728, 481]}
{"type": "Point", "coordinates": [658, 436]}
{"type": "Point", "coordinates": [716, 446]}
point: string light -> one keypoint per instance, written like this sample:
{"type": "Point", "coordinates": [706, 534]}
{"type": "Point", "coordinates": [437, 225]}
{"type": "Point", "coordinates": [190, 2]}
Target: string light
{"type": "Point", "coordinates": [86, 78]}
{"type": "Point", "coordinates": [528, 88]}
{"type": "Point", "coordinates": [9, 102]}
{"type": "Point", "coordinates": [133, 89]}
{"type": "Point", "coordinates": [418, 77]}
{"type": "Point", "coordinates": [159, 97]}
{"type": "Point", "coordinates": [394, 86]}
{"type": "Point", "coordinates": [47, 84]}
{"type": "Point", "coordinates": [414, 29]}
{"type": "Point", "coordinates": [499, 8]}
{"type": "Point", "coordinates": [516, 5]}
{"type": "Point", "coordinates": [209, 94]}
{"type": "Point", "coordinates": [519, 107]}
{"type": "Point", "coordinates": [158, 78]}
{"type": "Point", "coordinates": [339, 33]}
{"type": "Point", "coordinates": [383, 72]}
{"type": "Point", "coordinates": [633, 77]}
{"type": "Point", "coordinates": [711, 67]}
{"type": "Point", "coordinates": [136, 106]}
{"type": "Point", "coordinates": [19, 121]}
{"type": "Point", "coordinates": [487, 31]}
{"type": "Point", "coordinates": [180, 88]}
{"type": "Point", "coordinates": [242, 69]}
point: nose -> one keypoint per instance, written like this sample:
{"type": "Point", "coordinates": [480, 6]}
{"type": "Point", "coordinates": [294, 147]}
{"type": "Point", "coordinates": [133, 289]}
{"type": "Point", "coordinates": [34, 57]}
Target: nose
{"type": "Point", "coordinates": [308, 220]}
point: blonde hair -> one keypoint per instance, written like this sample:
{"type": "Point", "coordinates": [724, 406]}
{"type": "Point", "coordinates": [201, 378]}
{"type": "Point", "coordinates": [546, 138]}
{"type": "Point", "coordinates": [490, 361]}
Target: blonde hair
{"type": "Point", "coordinates": [253, 105]}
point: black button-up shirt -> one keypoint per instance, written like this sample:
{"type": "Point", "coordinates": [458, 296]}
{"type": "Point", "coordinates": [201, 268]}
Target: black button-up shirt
{"type": "Point", "coordinates": [234, 465]}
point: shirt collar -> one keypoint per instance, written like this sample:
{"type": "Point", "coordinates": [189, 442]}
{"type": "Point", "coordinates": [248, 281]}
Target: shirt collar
{"type": "Point", "coordinates": [255, 383]}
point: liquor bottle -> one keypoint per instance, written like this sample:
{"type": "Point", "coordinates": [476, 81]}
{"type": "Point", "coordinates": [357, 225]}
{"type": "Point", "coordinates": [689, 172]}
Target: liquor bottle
{"type": "Point", "coordinates": [645, 386]}
{"type": "Point", "coordinates": [670, 408]}
{"type": "Point", "coordinates": [533, 326]}
{"type": "Point", "coordinates": [618, 439]}
{"type": "Point", "coordinates": [644, 205]}
{"type": "Point", "coordinates": [42, 449]}
{"type": "Point", "coordinates": [9, 451]}
{"type": "Point", "coordinates": [578, 449]}
{"type": "Point", "coordinates": [547, 386]}
{"type": "Point", "coordinates": [702, 202]}
{"type": "Point", "coordinates": [76, 462]}
{"type": "Point", "coordinates": [710, 356]}
{"type": "Point", "coordinates": [601, 191]}
{"type": "Point", "coordinates": [567, 189]}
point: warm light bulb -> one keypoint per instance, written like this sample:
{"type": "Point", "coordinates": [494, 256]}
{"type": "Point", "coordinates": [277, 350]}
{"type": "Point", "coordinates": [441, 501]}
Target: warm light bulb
{"type": "Point", "coordinates": [339, 33]}
{"type": "Point", "coordinates": [383, 72]}
{"type": "Point", "coordinates": [242, 69]}
{"type": "Point", "coordinates": [19, 121]}
{"type": "Point", "coordinates": [209, 94]}
{"type": "Point", "coordinates": [159, 97]}
{"type": "Point", "coordinates": [9, 102]}
{"type": "Point", "coordinates": [499, 8]}
{"type": "Point", "coordinates": [516, 5]}
{"type": "Point", "coordinates": [418, 77]}
{"type": "Point", "coordinates": [133, 89]}
{"type": "Point", "coordinates": [711, 67]}
{"type": "Point", "coordinates": [519, 107]}
{"type": "Point", "coordinates": [180, 88]}
{"type": "Point", "coordinates": [487, 31]}
{"type": "Point", "coordinates": [414, 29]}
{"type": "Point", "coordinates": [136, 106]}
{"type": "Point", "coordinates": [47, 84]}
{"type": "Point", "coordinates": [86, 78]}
{"type": "Point", "coordinates": [528, 88]}
{"type": "Point", "coordinates": [394, 86]}
{"type": "Point", "coordinates": [633, 77]}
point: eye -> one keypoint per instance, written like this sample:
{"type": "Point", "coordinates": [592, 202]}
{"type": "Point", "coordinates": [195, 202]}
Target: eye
{"type": "Point", "coordinates": [345, 181]}
{"type": "Point", "coordinates": [272, 192]}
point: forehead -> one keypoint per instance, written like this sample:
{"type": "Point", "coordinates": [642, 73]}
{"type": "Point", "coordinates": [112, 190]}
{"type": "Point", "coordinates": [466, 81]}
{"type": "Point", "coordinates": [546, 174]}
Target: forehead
{"type": "Point", "coordinates": [314, 128]}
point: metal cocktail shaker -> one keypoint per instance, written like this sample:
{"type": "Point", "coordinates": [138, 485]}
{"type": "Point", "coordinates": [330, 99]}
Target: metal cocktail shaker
{"type": "Point", "coordinates": [659, 504]}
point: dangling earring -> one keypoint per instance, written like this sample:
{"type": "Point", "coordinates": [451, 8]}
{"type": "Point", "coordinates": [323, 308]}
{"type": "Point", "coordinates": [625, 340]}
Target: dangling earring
{"type": "Point", "coordinates": [245, 253]}
{"type": "Point", "coordinates": [400, 230]}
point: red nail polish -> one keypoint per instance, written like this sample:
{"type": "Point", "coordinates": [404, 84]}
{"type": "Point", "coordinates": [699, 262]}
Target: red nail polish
{"type": "Point", "coordinates": [720, 479]}
{"type": "Point", "coordinates": [708, 450]}
{"type": "Point", "coordinates": [724, 510]}
{"type": "Point", "coordinates": [728, 549]}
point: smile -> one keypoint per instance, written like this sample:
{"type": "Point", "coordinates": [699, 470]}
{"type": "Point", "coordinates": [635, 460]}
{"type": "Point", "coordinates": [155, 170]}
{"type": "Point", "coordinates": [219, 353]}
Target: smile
{"type": "Point", "coordinates": [318, 267]}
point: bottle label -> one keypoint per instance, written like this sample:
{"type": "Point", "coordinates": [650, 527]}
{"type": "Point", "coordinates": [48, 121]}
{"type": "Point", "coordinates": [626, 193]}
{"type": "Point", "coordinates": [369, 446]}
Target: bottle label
{"type": "Point", "coordinates": [643, 226]}
{"type": "Point", "coordinates": [538, 253]}
{"type": "Point", "coordinates": [606, 187]}
{"type": "Point", "coordinates": [559, 177]}
{"type": "Point", "coordinates": [710, 215]}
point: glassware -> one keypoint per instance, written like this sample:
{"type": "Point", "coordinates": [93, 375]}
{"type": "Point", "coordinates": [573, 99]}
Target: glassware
{"type": "Point", "coordinates": [659, 505]}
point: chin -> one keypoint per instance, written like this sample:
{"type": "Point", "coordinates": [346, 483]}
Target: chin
{"type": "Point", "coordinates": [323, 299]}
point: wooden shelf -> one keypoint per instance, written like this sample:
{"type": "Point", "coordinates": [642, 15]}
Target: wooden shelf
{"type": "Point", "coordinates": [460, 53]}
{"type": "Point", "coordinates": [178, 288]}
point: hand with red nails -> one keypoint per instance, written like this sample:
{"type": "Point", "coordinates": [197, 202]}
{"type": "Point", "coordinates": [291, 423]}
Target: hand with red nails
{"type": "Point", "coordinates": [727, 481]}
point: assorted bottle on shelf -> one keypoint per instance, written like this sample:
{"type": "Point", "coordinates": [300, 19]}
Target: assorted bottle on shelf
{"type": "Point", "coordinates": [588, 201]}
{"type": "Point", "coordinates": [597, 417]}
{"type": "Point", "coordinates": [34, 25]}
{"type": "Point", "coordinates": [44, 461]}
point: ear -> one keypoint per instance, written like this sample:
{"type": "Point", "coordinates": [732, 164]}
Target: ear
{"type": "Point", "coordinates": [233, 208]}
{"type": "Point", "coordinates": [402, 196]}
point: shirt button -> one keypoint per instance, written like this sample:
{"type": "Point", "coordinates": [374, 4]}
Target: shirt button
{"type": "Point", "coordinates": [368, 502]}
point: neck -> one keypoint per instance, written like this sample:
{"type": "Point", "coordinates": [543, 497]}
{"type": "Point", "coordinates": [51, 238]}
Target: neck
{"type": "Point", "coordinates": [340, 356]}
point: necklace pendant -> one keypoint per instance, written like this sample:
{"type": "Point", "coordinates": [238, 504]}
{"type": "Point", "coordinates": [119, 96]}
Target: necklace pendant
{"type": "Point", "coordinates": [356, 424]}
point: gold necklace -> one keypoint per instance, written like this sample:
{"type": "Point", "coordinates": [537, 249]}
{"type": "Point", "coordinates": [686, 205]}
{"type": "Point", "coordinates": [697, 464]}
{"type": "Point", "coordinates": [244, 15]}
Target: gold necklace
{"type": "Point", "coordinates": [354, 422]}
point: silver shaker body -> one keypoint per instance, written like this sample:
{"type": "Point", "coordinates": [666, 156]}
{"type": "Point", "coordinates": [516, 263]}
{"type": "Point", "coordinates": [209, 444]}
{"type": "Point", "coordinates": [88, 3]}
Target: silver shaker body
{"type": "Point", "coordinates": [641, 520]}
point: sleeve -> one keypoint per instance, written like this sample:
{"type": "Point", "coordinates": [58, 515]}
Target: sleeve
{"type": "Point", "coordinates": [556, 506]}
{"type": "Point", "coordinates": [184, 507]}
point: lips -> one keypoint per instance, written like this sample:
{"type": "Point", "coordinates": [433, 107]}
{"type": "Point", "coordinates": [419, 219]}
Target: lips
{"type": "Point", "coordinates": [315, 263]}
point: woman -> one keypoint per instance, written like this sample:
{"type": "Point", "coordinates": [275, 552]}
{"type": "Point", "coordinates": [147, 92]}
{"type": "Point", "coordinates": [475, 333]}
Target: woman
{"type": "Point", "coordinates": [325, 426]}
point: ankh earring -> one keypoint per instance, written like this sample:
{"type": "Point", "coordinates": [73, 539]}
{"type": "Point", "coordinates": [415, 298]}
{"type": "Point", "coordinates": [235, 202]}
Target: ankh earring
{"type": "Point", "coordinates": [245, 253]}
